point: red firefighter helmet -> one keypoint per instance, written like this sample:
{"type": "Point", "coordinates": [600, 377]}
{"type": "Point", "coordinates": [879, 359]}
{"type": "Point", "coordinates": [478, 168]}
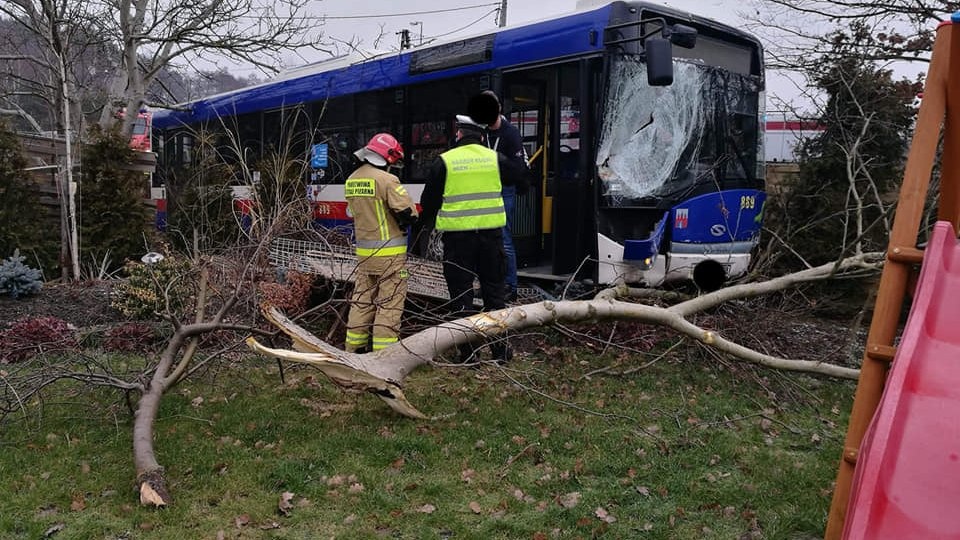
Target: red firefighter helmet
{"type": "Point", "coordinates": [382, 149]}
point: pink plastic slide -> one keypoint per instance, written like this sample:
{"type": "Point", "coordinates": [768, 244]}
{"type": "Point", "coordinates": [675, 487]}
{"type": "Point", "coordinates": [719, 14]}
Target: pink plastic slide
{"type": "Point", "coordinates": [907, 480]}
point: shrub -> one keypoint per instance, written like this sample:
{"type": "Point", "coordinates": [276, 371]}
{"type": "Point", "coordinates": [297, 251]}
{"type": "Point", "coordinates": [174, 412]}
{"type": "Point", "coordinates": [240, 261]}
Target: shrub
{"type": "Point", "coordinates": [129, 337]}
{"type": "Point", "coordinates": [114, 216]}
{"type": "Point", "coordinates": [18, 279]}
{"type": "Point", "coordinates": [291, 295]}
{"type": "Point", "coordinates": [145, 292]}
{"type": "Point", "coordinates": [32, 336]}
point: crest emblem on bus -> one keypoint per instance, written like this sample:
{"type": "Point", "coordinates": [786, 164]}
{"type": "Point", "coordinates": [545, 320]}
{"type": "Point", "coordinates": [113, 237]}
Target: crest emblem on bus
{"type": "Point", "coordinates": [680, 221]}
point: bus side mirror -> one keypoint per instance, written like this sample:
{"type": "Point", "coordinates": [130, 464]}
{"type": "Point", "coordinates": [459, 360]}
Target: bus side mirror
{"type": "Point", "coordinates": [659, 52]}
{"type": "Point", "coordinates": [683, 36]}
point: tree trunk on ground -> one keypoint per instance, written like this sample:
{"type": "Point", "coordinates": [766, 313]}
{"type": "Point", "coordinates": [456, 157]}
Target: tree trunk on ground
{"type": "Point", "coordinates": [151, 481]}
{"type": "Point", "coordinates": [383, 373]}
{"type": "Point", "coordinates": [150, 477]}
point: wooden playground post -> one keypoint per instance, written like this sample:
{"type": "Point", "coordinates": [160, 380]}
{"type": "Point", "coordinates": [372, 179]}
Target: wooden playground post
{"type": "Point", "coordinates": [949, 209]}
{"type": "Point", "coordinates": [902, 253]}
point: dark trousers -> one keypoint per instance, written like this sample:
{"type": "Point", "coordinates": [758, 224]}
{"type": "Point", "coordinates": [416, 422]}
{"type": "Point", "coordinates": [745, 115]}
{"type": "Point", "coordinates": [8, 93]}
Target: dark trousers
{"type": "Point", "coordinates": [475, 254]}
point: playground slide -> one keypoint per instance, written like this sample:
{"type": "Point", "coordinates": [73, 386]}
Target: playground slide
{"type": "Point", "coordinates": [907, 479]}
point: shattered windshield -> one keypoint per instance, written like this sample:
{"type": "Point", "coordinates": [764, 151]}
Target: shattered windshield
{"type": "Point", "coordinates": [660, 141]}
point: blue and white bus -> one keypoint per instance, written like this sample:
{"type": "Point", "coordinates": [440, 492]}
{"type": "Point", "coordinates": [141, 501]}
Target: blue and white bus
{"type": "Point", "coordinates": [647, 173]}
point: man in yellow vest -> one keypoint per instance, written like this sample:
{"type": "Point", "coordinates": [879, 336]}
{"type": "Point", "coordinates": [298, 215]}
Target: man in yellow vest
{"type": "Point", "coordinates": [381, 210]}
{"type": "Point", "coordinates": [462, 200]}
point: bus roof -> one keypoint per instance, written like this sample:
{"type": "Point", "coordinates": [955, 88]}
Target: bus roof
{"type": "Point", "coordinates": [565, 36]}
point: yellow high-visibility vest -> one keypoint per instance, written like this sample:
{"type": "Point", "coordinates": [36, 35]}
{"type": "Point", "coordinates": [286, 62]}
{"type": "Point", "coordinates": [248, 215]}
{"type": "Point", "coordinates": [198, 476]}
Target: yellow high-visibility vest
{"type": "Point", "coordinates": [471, 195]}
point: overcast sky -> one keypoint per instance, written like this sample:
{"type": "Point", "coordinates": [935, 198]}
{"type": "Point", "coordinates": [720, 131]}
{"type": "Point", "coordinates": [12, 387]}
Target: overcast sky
{"type": "Point", "coordinates": [365, 20]}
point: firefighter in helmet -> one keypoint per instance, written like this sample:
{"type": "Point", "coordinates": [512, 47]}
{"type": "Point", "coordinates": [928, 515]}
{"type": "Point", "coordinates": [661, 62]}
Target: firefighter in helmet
{"type": "Point", "coordinates": [381, 210]}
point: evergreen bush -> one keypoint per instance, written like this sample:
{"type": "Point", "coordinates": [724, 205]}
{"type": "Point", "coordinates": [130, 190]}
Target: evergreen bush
{"type": "Point", "coordinates": [114, 217]}
{"type": "Point", "coordinates": [203, 203]}
{"type": "Point", "coordinates": [149, 287]}
{"type": "Point", "coordinates": [18, 279]}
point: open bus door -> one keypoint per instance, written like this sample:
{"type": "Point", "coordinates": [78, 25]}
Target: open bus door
{"type": "Point", "coordinates": [525, 108]}
{"type": "Point", "coordinates": [553, 223]}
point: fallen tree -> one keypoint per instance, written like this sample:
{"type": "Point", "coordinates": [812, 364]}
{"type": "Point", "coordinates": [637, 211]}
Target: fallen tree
{"type": "Point", "coordinates": [383, 373]}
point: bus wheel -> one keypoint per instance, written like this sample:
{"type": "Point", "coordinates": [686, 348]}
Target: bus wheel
{"type": "Point", "coordinates": [709, 275]}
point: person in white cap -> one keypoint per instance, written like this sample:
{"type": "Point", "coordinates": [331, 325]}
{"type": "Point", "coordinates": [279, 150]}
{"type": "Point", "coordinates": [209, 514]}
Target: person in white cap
{"type": "Point", "coordinates": [382, 210]}
{"type": "Point", "coordinates": [461, 199]}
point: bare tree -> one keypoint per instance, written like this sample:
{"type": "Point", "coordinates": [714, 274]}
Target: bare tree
{"type": "Point", "coordinates": [47, 45]}
{"type": "Point", "coordinates": [174, 366]}
{"type": "Point", "coordinates": [55, 24]}
{"type": "Point", "coordinates": [800, 31]}
{"type": "Point", "coordinates": [153, 35]}
{"type": "Point", "coordinates": [838, 202]}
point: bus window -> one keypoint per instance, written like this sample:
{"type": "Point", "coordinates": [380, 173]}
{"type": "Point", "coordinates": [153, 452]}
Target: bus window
{"type": "Point", "coordinates": [247, 131]}
{"type": "Point", "coordinates": [340, 144]}
{"type": "Point", "coordinates": [288, 131]}
{"type": "Point", "coordinates": [432, 108]}
{"type": "Point", "coordinates": [186, 149]}
{"type": "Point", "coordinates": [427, 141]}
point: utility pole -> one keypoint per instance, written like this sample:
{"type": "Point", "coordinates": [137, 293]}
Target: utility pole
{"type": "Point", "coordinates": [404, 39]}
{"type": "Point", "coordinates": [503, 13]}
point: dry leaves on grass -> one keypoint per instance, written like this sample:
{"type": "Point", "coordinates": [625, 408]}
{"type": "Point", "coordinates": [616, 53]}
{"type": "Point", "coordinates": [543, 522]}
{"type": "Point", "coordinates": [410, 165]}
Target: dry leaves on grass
{"type": "Point", "coordinates": [53, 530]}
{"type": "Point", "coordinates": [569, 500]}
{"type": "Point", "coordinates": [286, 503]}
{"type": "Point", "coordinates": [604, 516]}
{"type": "Point", "coordinates": [427, 509]}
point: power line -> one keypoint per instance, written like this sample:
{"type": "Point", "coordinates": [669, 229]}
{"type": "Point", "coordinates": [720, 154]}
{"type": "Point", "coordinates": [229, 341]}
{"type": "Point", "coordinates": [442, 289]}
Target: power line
{"type": "Point", "coordinates": [484, 16]}
{"type": "Point", "coordinates": [371, 16]}
{"type": "Point", "coordinates": [408, 13]}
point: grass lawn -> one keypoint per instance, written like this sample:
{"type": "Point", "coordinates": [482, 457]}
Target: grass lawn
{"type": "Point", "coordinates": [689, 447]}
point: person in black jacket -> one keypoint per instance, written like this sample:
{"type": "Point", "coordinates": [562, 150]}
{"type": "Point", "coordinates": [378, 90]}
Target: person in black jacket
{"type": "Point", "coordinates": [505, 138]}
{"type": "Point", "coordinates": [457, 201]}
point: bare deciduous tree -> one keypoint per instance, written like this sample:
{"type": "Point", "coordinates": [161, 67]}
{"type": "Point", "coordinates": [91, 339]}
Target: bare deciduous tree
{"type": "Point", "coordinates": [59, 26]}
{"type": "Point", "coordinates": [153, 35]}
{"type": "Point", "coordinates": [800, 31]}
{"type": "Point", "coordinates": [838, 201]}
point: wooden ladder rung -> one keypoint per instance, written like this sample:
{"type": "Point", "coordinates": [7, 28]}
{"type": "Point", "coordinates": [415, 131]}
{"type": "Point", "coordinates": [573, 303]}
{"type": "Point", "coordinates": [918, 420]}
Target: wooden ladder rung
{"type": "Point", "coordinates": [850, 455]}
{"type": "Point", "coordinates": [909, 255]}
{"type": "Point", "coordinates": [884, 353]}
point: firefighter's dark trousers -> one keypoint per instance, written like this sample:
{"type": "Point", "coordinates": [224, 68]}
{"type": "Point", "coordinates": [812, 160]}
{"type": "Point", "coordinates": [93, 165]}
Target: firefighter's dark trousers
{"type": "Point", "coordinates": [379, 291]}
{"type": "Point", "coordinates": [475, 254]}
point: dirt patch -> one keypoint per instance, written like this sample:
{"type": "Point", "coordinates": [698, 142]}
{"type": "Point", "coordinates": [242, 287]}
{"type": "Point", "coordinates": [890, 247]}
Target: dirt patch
{"type": "Point", "coordinates": [80, 304]}
{"type": "Point", "coordinates": [792, 334]}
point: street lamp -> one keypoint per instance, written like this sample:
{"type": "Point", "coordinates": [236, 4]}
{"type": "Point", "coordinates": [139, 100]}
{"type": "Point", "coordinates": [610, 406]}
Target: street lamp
{"type": "Point", "coordinates": [420, 24]}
